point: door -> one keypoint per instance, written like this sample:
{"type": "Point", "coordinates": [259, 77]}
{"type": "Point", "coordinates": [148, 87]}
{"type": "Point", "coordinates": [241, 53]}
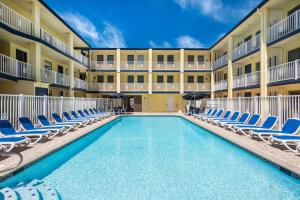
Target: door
{"type": "Point", "coordinates": [138, 103]}
{"type": "Point", "coordinates": [21, 56]}
{"type": "Point", "coordinates": [248, 69]}
{"type": "Point", "coordinates": [59, 77]}
{"type": "Point", "coordinates": [170, 104]}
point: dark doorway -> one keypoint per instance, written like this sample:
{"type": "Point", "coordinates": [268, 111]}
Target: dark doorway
{"type": "Point", "coordinates": [60, 69]}
{"type": "Point", "coordinates": [248, 69]}
{"type": "Point", "coordinates": [137, 103]}
{"type": "Point", "coordinates": [41, 91]}
{"type": "Point", "coordinates": [21, 55]}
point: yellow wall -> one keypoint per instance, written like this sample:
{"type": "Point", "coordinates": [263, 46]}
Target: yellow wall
{"type": "Point", "coordinates": [17, 87]}
{"type": "Point", "coordinates": [158, 102]}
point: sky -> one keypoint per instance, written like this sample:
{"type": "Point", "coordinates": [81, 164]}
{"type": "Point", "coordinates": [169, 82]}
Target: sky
{"type": "Point", "coordinates": [152, 23]}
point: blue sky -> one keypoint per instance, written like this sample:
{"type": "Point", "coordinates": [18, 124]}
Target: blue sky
{"type": "Point", "coordinates": [152, 23]}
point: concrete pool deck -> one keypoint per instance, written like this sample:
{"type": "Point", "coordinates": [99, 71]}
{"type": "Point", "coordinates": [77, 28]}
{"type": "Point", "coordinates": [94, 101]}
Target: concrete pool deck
{"type": "Point", "coordinates": [284, 160]}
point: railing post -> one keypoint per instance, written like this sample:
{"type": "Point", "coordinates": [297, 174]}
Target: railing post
{"type": "Point", "coordinates": [255, 105]}
{"type": "Point", "coordinates": [45, 105]}
{"type": "Point", "coordinates": [279, 114]}
{"type": "Point", "coordinates": [296, 69]}
{"type": "Point", "coordinates": [21, 105]}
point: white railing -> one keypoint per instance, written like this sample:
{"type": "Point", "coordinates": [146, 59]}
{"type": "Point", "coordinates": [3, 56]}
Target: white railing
{"type": "Point", "coordinates": [103, 65]}
{"type": "Point", "coordinates": [55, 42]}
{"type": "Point", "coordinates": [284, 27]}
{"type": "Point", "coordinates": [197, 87]}
{"type": "Point", "coordinates": [284, 72]}
{"type": "Point", "coordinates": [14, 106]}
{"type": "Point", "coordinates": [80, 84]}
{"type": "Point", "coordinates": [221, 85]}
{"type": "Point", "coordinates": [197, 66]}
{"type": "Point", "coordinates": [14, 20]}
{"type": "Point", "coordinates": [167, 87]}
{"type": "Point", "coordinates": [54, 77]}
{"type": "Point", "coordinates": [282, 106]}
{"type": "Point", "coordinates": [128, 87]}
{"type": "Point", "coordinates": [102, 87]}
{"type": "Point", "coordinates": [220, 62]}
{"type": "Point", "coordinates": [166, 65]}
{"type": "Point", "coordinates": [246, 80]}
{"type": "Point", "coordinates": [134, 65]}
{"type": "Point", "coordinates": [247, 47]}
{"type": "Point", "coordinates": [81, 58]}
{"type": "Point", "coordinates": [15, 67]}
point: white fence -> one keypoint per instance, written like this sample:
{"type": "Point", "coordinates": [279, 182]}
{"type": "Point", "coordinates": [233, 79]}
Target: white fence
{"type": "Point", "coordinates": [222, 61]}
{"type": "Point", "coordinates": [246, 80]}
{"type": "Point", "coordinates": [14, 106]}
{"type": "Point", "coordinates": [246, 47]}
{"type": "Point", "coordinates": [282, 106]}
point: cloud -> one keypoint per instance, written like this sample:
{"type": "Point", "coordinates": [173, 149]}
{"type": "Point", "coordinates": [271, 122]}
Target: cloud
{"type": "Point", "coordinates": [187, 41]}
{"type": "Point", "coordinates": [110, 36]}
{"type": "Point", "coordinates": [216, 9]}
{"type": "Point", "coordinates": [164, 44]}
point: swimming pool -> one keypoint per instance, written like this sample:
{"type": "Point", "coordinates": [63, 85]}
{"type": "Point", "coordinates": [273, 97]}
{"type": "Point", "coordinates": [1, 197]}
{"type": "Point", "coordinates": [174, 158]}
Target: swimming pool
{"type": "Point", "coordinates": [158, 158]}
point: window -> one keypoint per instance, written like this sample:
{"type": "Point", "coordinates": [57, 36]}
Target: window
{"type": "Point", "coordinates": [200, 59]}
{"type": "Point", "coordinates": [130, 79]}
{"type": "Point", "coordinates": [257, 66]}
{"type": "Point", "coordinates": [238, 71]}
{"type": "Point", "coordinates": [48, 65]}
{"type": "Point", "coordinates": [170, 59]}
{"type": "Point", "coordinates": [60, 69]}
{"type": "Point", "coordinates": [61, 93]}
{"type": "Point", "coordinates": [100, 58]}
{"type": "Point", "coordinates": [170, 79]}
{"type": "Point", "coordinates": [130, 59]}
{"type": "Point", "coordinates": [140, 79]}
{"type": "Point", "coordinates": [100, 79]}
{"type": "Point", "coordinates": [200, 79]}
{"type": "Point", "coordinates": [190, 79]}
{"type": "Point", "coordinates": [225, 76]}
{"type": "Point", "coordinates": [247, 94]}
{"type": "Point", "coordinates": [21, 55]}
{"type": "Point", "coordinates": [248, 69]}
{"type": "Point", "coordinates": [191, 59]}
{"type": "Point", "coordinates": [110, 79]}
{"type": "Point", "coordinates": [82, 76]}
{"type": "Point", "coordinates": [110, 59]}
{"type": "Point", "coordinates": [273, 61]}
{"type": "Point", "coordinates": [140, 59]}
{"type": "Point", "coordinates": [294, 55]}
{"type": "Point", "coordinates": [160, 59]}
{"type": "Point", "coordinates": [160, 79]}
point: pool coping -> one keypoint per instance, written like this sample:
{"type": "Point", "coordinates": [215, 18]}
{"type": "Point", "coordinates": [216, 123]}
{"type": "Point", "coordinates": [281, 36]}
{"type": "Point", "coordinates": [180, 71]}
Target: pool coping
{"type": "Point", "coordinates": [41, 150]}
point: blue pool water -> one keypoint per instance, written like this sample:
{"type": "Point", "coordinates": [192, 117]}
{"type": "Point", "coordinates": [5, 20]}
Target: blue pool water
{"type": "Point", "coordinates": [158, 158]}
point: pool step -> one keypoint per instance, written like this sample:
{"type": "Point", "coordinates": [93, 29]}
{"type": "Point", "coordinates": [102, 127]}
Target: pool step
{"type": "Point", "coordinates": [27, 192]}
{"type": "Point", "coordinates": [8, 194]}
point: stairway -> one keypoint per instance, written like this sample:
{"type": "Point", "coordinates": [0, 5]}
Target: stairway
{"type": "Point", "coordinates": [34, 190]}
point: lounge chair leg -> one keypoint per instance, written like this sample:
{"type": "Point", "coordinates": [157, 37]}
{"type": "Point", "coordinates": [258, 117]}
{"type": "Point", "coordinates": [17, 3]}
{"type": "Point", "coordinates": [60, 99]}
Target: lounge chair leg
{"type": "Point", "coordinates": [9, 148]}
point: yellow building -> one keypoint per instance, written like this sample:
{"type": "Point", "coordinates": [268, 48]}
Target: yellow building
{"type": "Point", "coordinates": [43, 55]}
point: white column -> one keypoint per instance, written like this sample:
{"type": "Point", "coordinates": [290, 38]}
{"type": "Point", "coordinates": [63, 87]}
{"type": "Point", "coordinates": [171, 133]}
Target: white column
{"type": "Point", "coordinates": [36, 13]}
{"type": "Point", "coordinates": [229, 67]}
{"type": "Point", "coordinates": [118, 70]}
{"type": "Point", "coordinates": [150, 71]}
{"type": "Point", "coordinates": [264, 53]}
{"type": "Point", "coordinates": [181, 83]}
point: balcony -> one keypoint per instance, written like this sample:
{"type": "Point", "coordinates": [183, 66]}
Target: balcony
{"type": "Point", "coordinates": [134, 87]}
{"type": "Point", "coordinates": [195, 87]}
{"type": "Point", "coordinates": [80, 84]}
{"type": "Point", "coordinates": [220, 62]}
{"type": "Point", "coordinates": [285, 72]}
{"type": "Point", "coordinates": [50, 76]}
{"type": "Point", "coordinates": [284, 27]}
{"type": "Point", "coordinates": [166, 66]}
{"type": "Point", "coordinates": [221, 85]}
{"type": "Point", "coordinates": [134, 65]}
{"type": "Point", "coordinates": [103, 87]}
{"type": "Point", "coordinates": [81, 58]}
{"type": "Point", "coordinates": [14, 67]}
{"type": "Point", "coordinates": [165, 87]}
{"type": "Point", "coordinates": [14, 20]}
{"type": "Point", "coordinates": [247, 48]}
{"type": "Point", "coordinates": [246, 80]}
{"type": "Point", "coordinates": [197, 66]}
{"type": "Point", "coordinates": [104, 65]}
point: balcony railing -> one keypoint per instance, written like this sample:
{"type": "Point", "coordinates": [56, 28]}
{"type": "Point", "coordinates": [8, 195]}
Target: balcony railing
{"type": "Point", "coordinates": [167, 87]}
{"type": "Point", "coordinates": [197, 87]}
{"type": "Point", "coordinates": [197, 66]}
{"type": "Point", "coordinates": [80, 84]}
{"type": "Point", "coordinates": [134, 65]}
{"type": "Point", "coordinates": [284, 72]}
{"type": "Point", "coordinates": [128, 87]}
{"type": "Point", "coordinates": [54, 77]}
{"type": "Point", "coordinates": [246, 80]}
{"type": "Point", "coordinates": [55, 42]}
{"type": "Point", "coordinates": [15, 67]}
{"type": "Point", "coordinates": [220, 62]}
{"type": "Point", "coordinates": [221, 85]}
{"type": "Point", "coordinates": [284, 27]}
{"type": "Point", "coordinates": [81, 58]}
{"type": "Point", "coordinates": [247, 47]}
{"type": "Point", "coordinates": [14, 20]}
{"type": "Point", "coordinates": [103, 65]}
{"type": "Point", "coordinates": [102, 87]}
{"type": "Point", "coordinates": [166, 65]}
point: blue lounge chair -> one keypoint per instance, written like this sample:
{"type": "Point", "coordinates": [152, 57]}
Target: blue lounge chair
{"type": "Point", "coordinates": [104, 115]}
{"type": "Point", "coordinates": [213, 113]}
{"type": "Point", "coordinates": [254, 119]}
{"type": "Point", "coordinates": [87, 113]}
{"type": "Point", "coordinates": [59, 121]}
{"type": "Point", "coordinates": [9, 142]}
{"type": "Point", "coordinates": [243, 119]}
{"type": "Point", "coordinates": [234, 117]}
{"type": "Point", "coordinates": [207, 113]}
{"type": "Point", "coordinates": [7, 129]}
{"type": "Point", "coordinates": [73, 113]}
{"type": "Point", "coordinates": [97, 110]}
{"type": "Point", "coordinates": [287, 140]}
{"type": "Point", "coordinates": [290, 127]}
{"type": "Point", "coordinates": [218, 114]}
{"type": "Point", "coordinates": [225, 116]}
{"type": "Point", "coordinates": [87, 117]}
{"type": "Point", "coordinates": [44, 122]}
{"type": "Point", "coordinates": [70, 119]}
{"type": "Point", "coordinates": [27, 125]}
{"type": "Point", "coordinates": [269, 123]}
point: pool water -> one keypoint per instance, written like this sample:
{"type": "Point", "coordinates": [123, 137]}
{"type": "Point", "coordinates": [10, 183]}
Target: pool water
{"type": "Point", "coordinates": [158, 158]}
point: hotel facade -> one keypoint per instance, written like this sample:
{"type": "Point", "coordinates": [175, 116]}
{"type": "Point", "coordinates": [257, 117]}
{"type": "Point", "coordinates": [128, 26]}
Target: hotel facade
{"type": "Point", "coordinates": [40, 54]}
